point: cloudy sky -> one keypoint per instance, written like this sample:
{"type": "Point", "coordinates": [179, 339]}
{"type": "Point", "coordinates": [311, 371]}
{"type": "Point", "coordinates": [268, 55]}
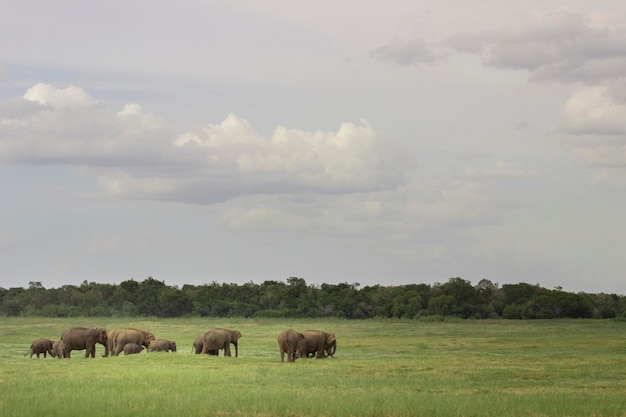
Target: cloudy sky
{"type": "Point", "coordinates": [378, 142]}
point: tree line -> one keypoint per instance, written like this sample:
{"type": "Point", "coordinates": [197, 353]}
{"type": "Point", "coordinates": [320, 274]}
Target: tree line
{"type": "Point", "coordinates": [297, 299]}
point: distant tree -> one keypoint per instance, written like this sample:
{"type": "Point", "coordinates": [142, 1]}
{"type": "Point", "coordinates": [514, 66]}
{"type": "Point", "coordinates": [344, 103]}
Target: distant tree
{"type": "Point", "coordinates": [12, 307]}
{"type": "Point", "coordinates": [173, 303]}
{"type": "Point", "coordinates": [35, 285]}
{"type": "Point", "coordinates": [341, 300]}
{"type": "Point", "coordinates": [604, 306]}
{"type": "Point", "coordinates": [147, 302]}
{"type": "Point", "coordinates": [295, 298]}
{"type": "Point", "coordinates": [272, 295]}
{"type": "Point", "coordinates": [442, 305]}
{"type": "Point", "coordinates": [520, 293]}
{"type": "Point", "coordinates": [492, 299]}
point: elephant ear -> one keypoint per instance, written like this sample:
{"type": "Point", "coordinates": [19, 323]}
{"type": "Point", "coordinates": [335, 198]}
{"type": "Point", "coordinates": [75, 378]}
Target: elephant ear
{"type": "Point", "coordinates": [330, 338]}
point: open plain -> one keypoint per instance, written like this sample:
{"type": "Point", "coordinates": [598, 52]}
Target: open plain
{"type": "Point", "coordinates": [381, 368]}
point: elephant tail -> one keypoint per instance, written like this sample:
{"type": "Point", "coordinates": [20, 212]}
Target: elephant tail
{"type": "Point", "coordinates": [30, 351]}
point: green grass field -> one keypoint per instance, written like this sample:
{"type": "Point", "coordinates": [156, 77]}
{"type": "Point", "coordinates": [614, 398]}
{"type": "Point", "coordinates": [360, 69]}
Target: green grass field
{"type": "Point", "coordinates": [381, 368]}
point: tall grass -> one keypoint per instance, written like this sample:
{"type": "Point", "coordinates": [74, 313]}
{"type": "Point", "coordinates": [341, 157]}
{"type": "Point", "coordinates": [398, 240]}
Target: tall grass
{"type": "Point", "coordinates": [381, 368]}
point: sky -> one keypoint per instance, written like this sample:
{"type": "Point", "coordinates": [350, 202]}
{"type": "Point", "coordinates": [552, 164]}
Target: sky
{"type": "Point", "coordinates": [370, 142]}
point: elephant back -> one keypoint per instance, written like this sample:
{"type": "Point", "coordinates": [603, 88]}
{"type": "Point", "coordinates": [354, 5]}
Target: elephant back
{"type": "Point", "coordinates": [75, 337]}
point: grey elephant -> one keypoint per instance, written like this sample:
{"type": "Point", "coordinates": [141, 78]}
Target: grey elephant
{"type": "Point", "coordinates": [57, 349]}
{"type": "Point", "coordinates": [220, 338]}
{"type": "Point", "coordinates": [39, 346]}
{"type": "Point", "coordinates": [162, 345]}
{"type": "Point", "coordinates": [131, 335]}
{"type": "Point", "coordinates": [197, 345]}
{"type": "Point", "coordinates": [110, 346]}
{"type": "Point", "coordinates": [317, 343]}
{"type": "Point", "coordinates": [79, 338]}
{"type": "Point", "coordinates": [132, 348]}
{"type": "Point", "coordinates": [288, 341]}
{"type": "Point", "coordinates": [331, 344]}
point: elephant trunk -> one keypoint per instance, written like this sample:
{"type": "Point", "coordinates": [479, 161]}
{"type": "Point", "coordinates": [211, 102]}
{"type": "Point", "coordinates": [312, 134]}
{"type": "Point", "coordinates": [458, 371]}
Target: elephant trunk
{"type": "Point", "coordinates": [331, 349]}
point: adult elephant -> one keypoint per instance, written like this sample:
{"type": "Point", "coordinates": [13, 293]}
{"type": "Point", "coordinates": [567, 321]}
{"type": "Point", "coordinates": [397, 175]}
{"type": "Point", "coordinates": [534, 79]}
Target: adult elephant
{"type": "Point", "coordinates": [79, 338]}
{"type": "Point", "coordinates": [216, 339]}
{"type": "Point", "coordinates": [319, 343]}
{"type": "Point", "coordinates": [39, 346]}
{"type": "Point", "coordinates": [162, 345]}
{"type": "Point", "coordinates": [110, 346]}
{"type": "Point", "coordinates": [288, 341]}
{"type": "Point", "coordinates": [132, 335]}
{"type": "Point", "coordinates": [57, 349]}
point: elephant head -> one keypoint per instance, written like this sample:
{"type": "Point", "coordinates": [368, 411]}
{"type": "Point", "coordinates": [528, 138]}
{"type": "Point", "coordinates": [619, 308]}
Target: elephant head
{"type": "Point", "coordinates": [197, 345]}
{"type": "Point", "coordinates": [100, 335]}
{"type": "Point", "coordinates": [331, 344]}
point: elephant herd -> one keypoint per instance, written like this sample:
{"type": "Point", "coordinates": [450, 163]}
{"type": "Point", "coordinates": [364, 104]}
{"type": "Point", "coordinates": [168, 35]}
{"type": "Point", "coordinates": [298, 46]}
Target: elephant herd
{"type": "Point", "coordinates": [306, 344]}
{"type": "Point", "coordinates": [309, 343]}
{"type": "Point", "coordinates": [128, 341]}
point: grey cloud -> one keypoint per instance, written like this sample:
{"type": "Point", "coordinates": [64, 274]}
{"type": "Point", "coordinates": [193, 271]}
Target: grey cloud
{"type": "Point", "coordinates": [560, 47]}
{"type": "Point", "coordinates": [405, 52]}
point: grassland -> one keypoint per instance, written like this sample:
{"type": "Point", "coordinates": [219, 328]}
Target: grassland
{"type": "Point", "coordinates": [382, 368]}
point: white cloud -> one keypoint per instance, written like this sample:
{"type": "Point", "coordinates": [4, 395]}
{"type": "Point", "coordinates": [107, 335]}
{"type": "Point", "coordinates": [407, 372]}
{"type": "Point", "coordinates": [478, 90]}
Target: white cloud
{"type": "Point", "coordinates": [60, 98]}
{"type": "Point", "coordinates": [70, 127]}
{"type": "Point", "coordinates": [593, 111]}
{"type": "Point", "coordinates": [595, 124]}
{"type": "Point", "coordinates": [137, 157]}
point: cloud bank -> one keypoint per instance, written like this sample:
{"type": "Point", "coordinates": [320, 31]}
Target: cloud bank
{"type": "Point", "coordinates": [137, 156]}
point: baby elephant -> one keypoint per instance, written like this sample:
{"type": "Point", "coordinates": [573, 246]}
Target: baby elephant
{"type": "Point", "coordinates": [162, 345]}
{"type": "Point", "coordinates": [41, 345]}
{"type": "Point", "coordinates": [57, 349]}
{"type": "Point", "coordinates": [132, 348]}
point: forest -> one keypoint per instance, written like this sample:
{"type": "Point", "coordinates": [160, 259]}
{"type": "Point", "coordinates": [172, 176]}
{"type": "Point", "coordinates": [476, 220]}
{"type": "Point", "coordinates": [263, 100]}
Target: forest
{"type": "Point", "coordinates": [297, 299]}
